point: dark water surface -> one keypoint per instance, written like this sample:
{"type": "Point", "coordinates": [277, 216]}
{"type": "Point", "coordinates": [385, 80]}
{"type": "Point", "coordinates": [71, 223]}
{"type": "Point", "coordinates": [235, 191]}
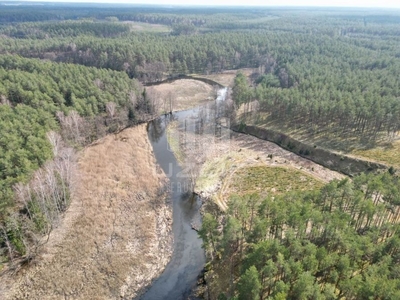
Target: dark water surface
{"type": "Point", "coordinates": [180, 276]}
{"type": "Point", "coordinates": [188, 259]}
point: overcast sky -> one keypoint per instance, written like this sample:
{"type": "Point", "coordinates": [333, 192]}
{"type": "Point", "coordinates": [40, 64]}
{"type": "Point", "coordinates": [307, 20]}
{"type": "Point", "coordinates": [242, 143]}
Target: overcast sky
{"type": "Point", "coordinates": [341, 3]}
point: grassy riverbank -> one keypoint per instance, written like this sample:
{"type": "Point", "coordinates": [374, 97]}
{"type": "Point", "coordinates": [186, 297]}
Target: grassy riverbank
{"type": "Point", "coordinates": [246, 164]}
{"type": "Point", "coordinates": [115, 237]}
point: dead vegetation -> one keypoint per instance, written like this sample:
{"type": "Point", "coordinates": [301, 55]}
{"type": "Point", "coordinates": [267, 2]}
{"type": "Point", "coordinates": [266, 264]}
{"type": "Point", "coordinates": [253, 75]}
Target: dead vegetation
{"type": "Point", "coordinates": [388, 153]}
{"type": "Point", "coordinates": [115, 237]}
{"type": "Point", "coordinates": [226, 78]}
{"type": "Point", "coordinates": [244, 151]}
{"type": "Point", "coordinates": [220, 159]}
{"type": "Point", "coordinates": [183, 94]}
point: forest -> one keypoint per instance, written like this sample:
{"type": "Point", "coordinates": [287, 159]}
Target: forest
{"type": "Point", "coordinates": [72, 73]}
{"type": "Point", "coordinates": [340, 242]}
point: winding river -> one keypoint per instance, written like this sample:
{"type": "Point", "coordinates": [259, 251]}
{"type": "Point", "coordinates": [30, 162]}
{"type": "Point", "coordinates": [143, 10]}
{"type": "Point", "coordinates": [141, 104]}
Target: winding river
{"type": "Point", "coordinates": [180, 276]}
{"type": "Point", "coordinates": [187, 261]}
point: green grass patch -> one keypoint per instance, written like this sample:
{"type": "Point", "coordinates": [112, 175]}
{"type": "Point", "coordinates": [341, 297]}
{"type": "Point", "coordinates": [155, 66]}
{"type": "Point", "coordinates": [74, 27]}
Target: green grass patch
{"type": "Point", "coordinates": [215, 170]}
{"type": "Point", "coordinates": [173, 141]}
{"type": "Point", "coordinates": [276, 180]}
{"type": "Point", "coordinates": [389, 154]}
{"type": "Point", "coordinates": [328, 136]}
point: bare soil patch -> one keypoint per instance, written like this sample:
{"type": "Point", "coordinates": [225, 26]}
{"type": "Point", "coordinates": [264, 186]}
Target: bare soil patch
{"type": "Point", "coordinates": [115, 237]}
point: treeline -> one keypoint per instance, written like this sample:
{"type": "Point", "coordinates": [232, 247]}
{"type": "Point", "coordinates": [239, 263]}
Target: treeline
{"type": "Point", "coordinates": [284, 42]}
{"type": "Point", "coordinates": [47, 110]}
{"type": "Point", "coordinates": [149, 57]}
{"type": "Point", "coordinates": [339, 242]}
{"type": "Point", "coordinates": [47, 30]}
{"type": "Point", "coordinates": [332, 86]}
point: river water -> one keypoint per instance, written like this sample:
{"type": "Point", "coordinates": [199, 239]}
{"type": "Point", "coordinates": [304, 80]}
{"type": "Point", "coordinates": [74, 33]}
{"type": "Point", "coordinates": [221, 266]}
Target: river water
{"type": "Point", "coordinates": [180, 276]}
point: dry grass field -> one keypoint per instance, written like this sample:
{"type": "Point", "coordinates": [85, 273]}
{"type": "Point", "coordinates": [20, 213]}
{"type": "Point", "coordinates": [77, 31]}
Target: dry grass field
{"type": "Point", "coordinates": [226, 78]}
{"type": "Point", "coordinates": [185, 94]}
{"type": "Point", "coordinates": [147, 27]}
{"type": "Point", "coordinates": [115, 237]}
{"type": "Point", "coordinates": [389, 154]}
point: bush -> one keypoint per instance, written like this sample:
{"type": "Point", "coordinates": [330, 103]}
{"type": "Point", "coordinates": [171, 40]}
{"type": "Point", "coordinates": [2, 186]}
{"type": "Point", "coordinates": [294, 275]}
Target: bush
{"type": "Point", "coordinates": [242, 127]}
{"type": "Point", "coordinates": [392, 170]}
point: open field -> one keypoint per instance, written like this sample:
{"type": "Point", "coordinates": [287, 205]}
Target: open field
{"type": "Point", "coordinates": [227, 167]}
{"type": "Point", "coordinates": [147, 27]}
{"type": "Point", "coordinates": [226, 78]}
{"type": "Point", "coordinates": [382, 150]}
{"type": "Point", "coordinates": [266, 180]}
{"type": "Point", "coordinates": [389, 154]}
{"type": "Point", "coordinates": [115, 237]}
{"type": "Point", "coordinates": [185, 94]}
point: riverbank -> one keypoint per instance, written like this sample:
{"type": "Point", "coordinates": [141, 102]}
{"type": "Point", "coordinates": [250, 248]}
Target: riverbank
{"type": "Point", "coordinates": [220, 158]}
{"type": "Point", "coordinates": [115, 237]}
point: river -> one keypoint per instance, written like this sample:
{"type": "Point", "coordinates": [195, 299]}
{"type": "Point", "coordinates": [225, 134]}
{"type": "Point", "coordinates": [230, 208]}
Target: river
{"type": "Point", "coordinates": [180, 275]}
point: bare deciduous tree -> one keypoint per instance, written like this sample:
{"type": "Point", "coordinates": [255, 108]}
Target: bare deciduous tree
{"type": "Point", "coordinates": [169, 101]}
{"type": "Point", "coordinates": [132, 98]}
{"type": "Point", "coordinates": [155, 100]}
{"type": "Point", "coordinates": [110, 109]}
{"type": "Point", "coordinates": [98, 83]}
{"type": "Point", "coordinates": [7, 242]}
{"type": "Point", "coordinates": [55, 141]}
{"type": "Point", "coordinates": [45, 197]}
{"type": "Point", "coordinates": [4, 100]}
{"type": "Point", "coordinates": [73, 126]}
{"type": "Point", "coordinates": [72, 47]}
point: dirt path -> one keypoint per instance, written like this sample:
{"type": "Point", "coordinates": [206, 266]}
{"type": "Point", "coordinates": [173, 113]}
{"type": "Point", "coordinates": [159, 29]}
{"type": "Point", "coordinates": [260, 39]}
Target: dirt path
{"type": "Point", "coordinates": [115, 237]}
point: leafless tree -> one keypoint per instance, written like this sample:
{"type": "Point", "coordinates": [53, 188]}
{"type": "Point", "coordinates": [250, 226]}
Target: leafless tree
{"type": "Point", "coordinates": [4, 100]}
{"type": "Point", "coordinates": [55, 141]}
{"type": "Point", "coordinates": [46, 196]}
{"type": "Point", "coordinates": [110, 109]}
{"type": "Point", "coordinates": [169, 101]}
{"type": "Point", "coordinates": [73, 126]}
{"type": "Point", "coordinates": [72, 47]}
{"type": "Point", "coordinates": [132, 98]}
{"type": "Point", "coordinates": [126, 66]}
{"type": "Point", "coordinates": [155, 100]}
{"type": "Point", "coordinates": [98, 83]}
{"type": "Point", "coordinates": [7, 242]}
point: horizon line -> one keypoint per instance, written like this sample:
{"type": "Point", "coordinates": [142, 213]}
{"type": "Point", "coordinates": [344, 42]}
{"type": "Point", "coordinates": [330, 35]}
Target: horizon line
{"type": "Point", "coordinates": [122, 2]}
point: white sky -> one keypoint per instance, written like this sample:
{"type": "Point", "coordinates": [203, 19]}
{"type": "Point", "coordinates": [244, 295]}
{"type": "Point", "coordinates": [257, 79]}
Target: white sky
{"type": "Point", "coordinates": [338, 3]}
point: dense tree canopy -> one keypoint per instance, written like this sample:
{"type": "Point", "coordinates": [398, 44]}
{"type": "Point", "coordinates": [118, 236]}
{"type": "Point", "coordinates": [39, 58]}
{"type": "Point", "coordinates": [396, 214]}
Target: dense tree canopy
{"type": "Point", "coordinates": [37, 98]}
{"type": "Point", "coordinates": [340, 241]}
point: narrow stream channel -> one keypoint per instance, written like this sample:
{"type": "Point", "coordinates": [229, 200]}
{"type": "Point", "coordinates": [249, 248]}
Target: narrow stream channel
{"type": "Point", "coordinates": [180, 276]}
